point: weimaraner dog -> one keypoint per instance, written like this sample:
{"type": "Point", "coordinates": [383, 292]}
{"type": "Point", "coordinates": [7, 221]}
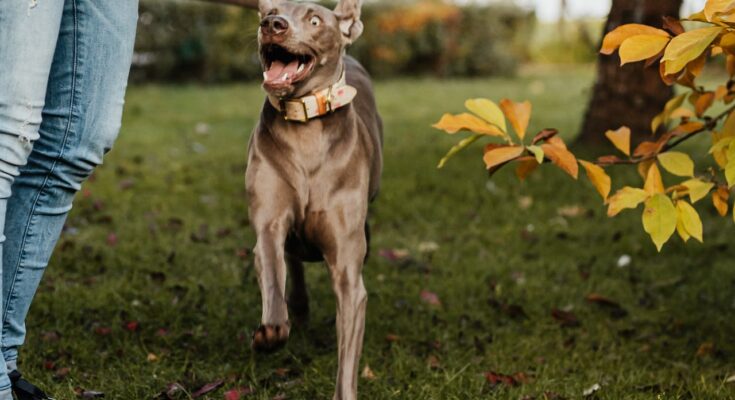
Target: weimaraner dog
{"type": "Point", "coordinates": [314, 165]}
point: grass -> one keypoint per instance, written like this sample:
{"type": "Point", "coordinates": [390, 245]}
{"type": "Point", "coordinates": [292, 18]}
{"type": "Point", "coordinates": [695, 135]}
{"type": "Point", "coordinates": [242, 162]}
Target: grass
{"type": "Point", "coordinates": [160, 238]}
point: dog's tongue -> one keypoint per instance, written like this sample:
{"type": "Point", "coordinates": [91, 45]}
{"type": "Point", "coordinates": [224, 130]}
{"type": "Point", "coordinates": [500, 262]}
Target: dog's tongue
{"type": "Point", "coordinates": [278, 71]}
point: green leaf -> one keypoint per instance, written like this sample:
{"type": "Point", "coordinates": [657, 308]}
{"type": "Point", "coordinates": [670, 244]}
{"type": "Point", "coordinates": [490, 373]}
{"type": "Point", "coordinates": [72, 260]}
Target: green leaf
{"type": "Point", "coordinates": [538, 152]}
{"type": "Point", "coordinates": [659, 219]}
{"type": "Point", "coordinates": [489, 111]}
{"type": "Point", "coordinates": [459, 147]}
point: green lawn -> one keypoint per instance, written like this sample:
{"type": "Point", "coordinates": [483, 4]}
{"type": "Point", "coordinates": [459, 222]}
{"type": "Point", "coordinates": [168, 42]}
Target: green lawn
{"type": "Point", "coordinates": [160, 238]}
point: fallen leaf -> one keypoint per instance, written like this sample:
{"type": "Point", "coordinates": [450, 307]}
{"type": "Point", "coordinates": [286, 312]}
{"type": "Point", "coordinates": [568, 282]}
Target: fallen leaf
{"type": "Point", "coordinates": [567, 319]}
{"type": "Point", "coordinates": [368, 373]}
{"type": "Point", "coordinates": [132, 326]}
{"type": "Point", "coordinates": [433, 362]}
{"type": "Point", "coordinates": [430, 298]}
{"type": "Point", "coordinates": [495, 379]}
{"type": "Point", "coordinates": [62, 373]}
{"type": "Point", "coordinates": [395, 254]}
{"type": "Point", "coordinates": [89, 394]}
{"type": "Point", "coordinates": [112, 240]}
{"type": "Point", "coordinates": [208, 388]}
{"type": "Point", "coordinates": [238, 393]}
{"type": "Point", "coordinates": [391, 338]}
{"type": "Point", "coordinates": [706, 349]}
{"type": "Point", "coordinates": [616, 310]}
{"type": "Point", "coordinates": [103, 331]}
{"type": "Point", "coordinates": [592, 390]}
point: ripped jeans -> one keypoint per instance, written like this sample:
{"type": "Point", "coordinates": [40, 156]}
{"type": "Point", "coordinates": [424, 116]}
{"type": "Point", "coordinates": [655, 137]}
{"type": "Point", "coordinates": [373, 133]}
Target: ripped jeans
{"type": "Point", "coordinates": [64, 67]}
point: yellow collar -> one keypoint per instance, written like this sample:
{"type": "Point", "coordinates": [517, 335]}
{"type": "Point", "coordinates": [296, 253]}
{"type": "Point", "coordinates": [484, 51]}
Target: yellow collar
{"type": "Point", "coordinates": [317, 104]}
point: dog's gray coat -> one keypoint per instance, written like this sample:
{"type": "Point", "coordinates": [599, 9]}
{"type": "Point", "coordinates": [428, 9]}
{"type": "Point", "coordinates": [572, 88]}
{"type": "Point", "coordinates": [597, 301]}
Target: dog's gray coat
{"type": "Point", "coordinates": [309, 184]}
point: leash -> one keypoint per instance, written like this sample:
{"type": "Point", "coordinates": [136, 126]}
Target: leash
{"type": "Point", "coordinates": [24, 390]}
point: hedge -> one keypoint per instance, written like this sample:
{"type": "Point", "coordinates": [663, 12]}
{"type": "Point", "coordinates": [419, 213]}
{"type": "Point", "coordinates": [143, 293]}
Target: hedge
{"type": "Point", "coordinates": [192, 41]}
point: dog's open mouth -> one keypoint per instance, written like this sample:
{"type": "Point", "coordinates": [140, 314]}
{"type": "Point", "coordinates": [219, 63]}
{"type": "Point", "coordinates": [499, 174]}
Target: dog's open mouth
{"type": "Point", "coordinates": [284, 68]}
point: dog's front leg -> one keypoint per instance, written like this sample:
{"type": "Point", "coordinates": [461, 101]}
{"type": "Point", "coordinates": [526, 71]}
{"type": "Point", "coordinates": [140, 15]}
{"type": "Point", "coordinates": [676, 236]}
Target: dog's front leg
{"type": "Point", "coordinates": [270, 263]}
{"type": "Point", "coordinates": [345, 265]}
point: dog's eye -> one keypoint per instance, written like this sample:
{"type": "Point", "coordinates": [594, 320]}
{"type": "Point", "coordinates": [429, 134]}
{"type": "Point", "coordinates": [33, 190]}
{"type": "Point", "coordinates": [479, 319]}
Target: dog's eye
{"type": "Point", "coordinates": [316, 21]}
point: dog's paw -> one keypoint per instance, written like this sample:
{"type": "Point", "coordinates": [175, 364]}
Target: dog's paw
{"type": "Point", "coordinates": [270, 338]}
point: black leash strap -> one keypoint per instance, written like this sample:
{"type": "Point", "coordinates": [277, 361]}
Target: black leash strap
{"type": "Point", "coordinates": [24, 390]}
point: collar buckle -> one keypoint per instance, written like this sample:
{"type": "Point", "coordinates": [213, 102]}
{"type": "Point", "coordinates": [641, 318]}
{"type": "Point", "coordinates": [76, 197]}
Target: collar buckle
{"type": "Point", "coordinates": [283, 103]}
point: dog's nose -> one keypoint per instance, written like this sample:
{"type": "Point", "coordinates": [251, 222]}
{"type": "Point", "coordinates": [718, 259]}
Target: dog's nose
{"type": "Point", "coordinates": [274, 25]}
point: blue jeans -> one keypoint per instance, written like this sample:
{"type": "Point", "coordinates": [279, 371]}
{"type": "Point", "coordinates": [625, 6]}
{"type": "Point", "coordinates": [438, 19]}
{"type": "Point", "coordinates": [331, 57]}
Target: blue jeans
{"type": "Point", "coordinates": [64, 67]}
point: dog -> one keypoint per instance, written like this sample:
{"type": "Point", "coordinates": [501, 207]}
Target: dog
{"type": "Point", "coordinates": [314, 165]}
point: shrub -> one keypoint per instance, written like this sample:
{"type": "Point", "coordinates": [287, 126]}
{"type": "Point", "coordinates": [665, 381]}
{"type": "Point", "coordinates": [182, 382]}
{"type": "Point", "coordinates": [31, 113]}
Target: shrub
{"type": "Point", "coordinates": [183, 41]}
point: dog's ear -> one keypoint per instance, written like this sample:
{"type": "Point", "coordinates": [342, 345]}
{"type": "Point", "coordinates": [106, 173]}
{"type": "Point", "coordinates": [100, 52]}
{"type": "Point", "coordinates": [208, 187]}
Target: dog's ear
{"type": "Point", "coordinates": [264, 6]}
{"type": "Point", "coordinates": [348, 15]}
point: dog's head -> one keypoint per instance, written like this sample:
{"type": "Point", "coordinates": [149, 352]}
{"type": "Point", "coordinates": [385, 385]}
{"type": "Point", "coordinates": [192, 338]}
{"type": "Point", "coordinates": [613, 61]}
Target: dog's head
{"type": "Point", "coordinates": [301, 44]}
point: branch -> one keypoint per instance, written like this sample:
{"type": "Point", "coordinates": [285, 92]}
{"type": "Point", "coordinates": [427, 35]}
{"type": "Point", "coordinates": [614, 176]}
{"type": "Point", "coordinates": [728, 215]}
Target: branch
{"type": "Point", "coordinates": [710, 125]}
{"type": "Point", "coordinates": [251, 4]}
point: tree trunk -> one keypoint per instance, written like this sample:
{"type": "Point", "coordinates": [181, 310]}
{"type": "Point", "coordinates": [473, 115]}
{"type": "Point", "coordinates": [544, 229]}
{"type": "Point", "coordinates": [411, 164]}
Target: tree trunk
{"type": "Point", "coordinates": [632, 95]}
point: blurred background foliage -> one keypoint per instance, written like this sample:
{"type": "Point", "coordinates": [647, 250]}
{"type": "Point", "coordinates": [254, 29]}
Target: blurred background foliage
{"type": "Point", "coordinates": [180, 41]}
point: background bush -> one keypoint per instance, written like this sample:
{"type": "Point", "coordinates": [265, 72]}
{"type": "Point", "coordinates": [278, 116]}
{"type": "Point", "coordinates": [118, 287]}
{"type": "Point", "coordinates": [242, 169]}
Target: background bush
{"type": "Point", "coordinates": [190, 41]}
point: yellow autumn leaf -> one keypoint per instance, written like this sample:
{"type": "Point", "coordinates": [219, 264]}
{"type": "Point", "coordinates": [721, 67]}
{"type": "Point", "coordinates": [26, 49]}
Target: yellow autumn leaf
{"type": "Point", "coordinates": [538, 152]}
{"type": "Point", "coordinates": [621, 139]}
{"type": "Point", "coordinates": [682, 231]}
{"type": "Point", "coordinates": [730, 173]}
{"type": "Point", "coordinates": [654, 181]}
{"type": "Point", "coordinates": [467, 122]}
{"type": "Point", "coordinates": [641, 47]}
{"type": "Point", "coordinates": [519, 115]}
{"type": "Point", "coordinates": [714, 7]}
{"type": "Point", "coordinates": [626, 198]}
{"type": "Point", "coordinates": [556, 151]}
{"type": "Point", "coordinates": [677, 163]}
{"type": "Point", "coordinates": [720, 199]}
{"type": "Point", "coordinates": [487, 110]}
{"type": "Point", "coordinates": [659, 219]}
{"type": "Point", "coordinates": [671, 105]}
{"type": "Point", "coordinates": [643, 168]}
{"type": "Point", "coordinates": [525, 167]}
{"type": "Point", "coordinates": [616, 37]}
{"type": "Point", "coordinates": [600, 179]}
{"type": "Point", "coordinates": [689, 220]}
{"type": "Point", "coordinates": [698, 189]}
{"type": "Point", "coordinates": [687, 47]}
{"type": "Point", "coordinates": [501, 155]}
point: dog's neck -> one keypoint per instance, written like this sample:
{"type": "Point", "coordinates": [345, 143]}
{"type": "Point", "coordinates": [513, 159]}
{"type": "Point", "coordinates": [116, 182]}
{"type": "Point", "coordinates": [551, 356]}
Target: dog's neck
{"type": "Point", "coordinates": [318, 103]}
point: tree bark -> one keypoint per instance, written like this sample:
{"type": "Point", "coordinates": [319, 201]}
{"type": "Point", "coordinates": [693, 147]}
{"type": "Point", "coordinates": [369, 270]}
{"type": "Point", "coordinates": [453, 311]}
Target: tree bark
{"type": "Point", "coordinates": [252, 4]}
{"type": "Point", "coordinates": [632, 95]}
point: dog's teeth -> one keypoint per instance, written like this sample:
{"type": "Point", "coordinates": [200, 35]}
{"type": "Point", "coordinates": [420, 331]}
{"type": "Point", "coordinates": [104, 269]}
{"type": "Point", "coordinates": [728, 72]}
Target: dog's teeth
{"type": "Point", "coordinates": [285, 76]}
{"type": "Point", "coordinates": [265, 76]}
{"type": "Point", "coordinates": [301, 68]}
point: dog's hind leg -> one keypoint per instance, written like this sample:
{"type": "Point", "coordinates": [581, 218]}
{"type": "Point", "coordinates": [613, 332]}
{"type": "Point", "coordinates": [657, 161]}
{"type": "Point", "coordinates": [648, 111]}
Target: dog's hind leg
{"type": "Point", "coordinates": [270, 263]}
{"type": "Point", "coordinates": [298, 298]}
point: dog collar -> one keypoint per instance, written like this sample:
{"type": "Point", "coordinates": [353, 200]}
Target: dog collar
{"type": "Point", "coordinates": [317, 104]}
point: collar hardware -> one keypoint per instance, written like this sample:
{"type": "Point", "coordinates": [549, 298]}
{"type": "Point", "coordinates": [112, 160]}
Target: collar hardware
{"type": "Point", "coordinates": [316, 104]}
